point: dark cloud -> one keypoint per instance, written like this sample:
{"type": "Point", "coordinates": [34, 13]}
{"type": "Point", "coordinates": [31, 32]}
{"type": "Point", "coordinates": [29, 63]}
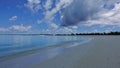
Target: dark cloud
{"type": "Point", "coordinates": [81, 10]}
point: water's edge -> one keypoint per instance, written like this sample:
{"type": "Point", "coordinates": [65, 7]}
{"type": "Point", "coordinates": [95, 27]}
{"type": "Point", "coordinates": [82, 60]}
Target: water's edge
{"type": "Point", "coordinates": [28, 52]}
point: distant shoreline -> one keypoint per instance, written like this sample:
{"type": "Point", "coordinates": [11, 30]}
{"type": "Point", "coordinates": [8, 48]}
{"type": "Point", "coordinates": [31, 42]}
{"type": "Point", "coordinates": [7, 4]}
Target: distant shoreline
{"type": "Point", "coordinates": [72, 34]}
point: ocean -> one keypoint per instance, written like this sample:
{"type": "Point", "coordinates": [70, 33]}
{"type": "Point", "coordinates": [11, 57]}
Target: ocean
{"type": "Point", "coordinates": [13, 44]}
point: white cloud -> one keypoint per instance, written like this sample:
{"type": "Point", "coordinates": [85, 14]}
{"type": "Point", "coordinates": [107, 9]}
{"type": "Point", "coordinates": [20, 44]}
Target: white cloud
{"type": "Point", "coordinates": [33, 5]}
{"type": "Point", "coordinates": [48, 4]}
{"type": "Point", "coordinates": [74, 27]}
{"type": "Point", "coordinates": [20, 28]}
{"type": "Point", "coordinates": [53, 26]}
{"type": "Point", "coordinates": [49, 15]}
{"type": "Point", "coordinates": [16, 28]}
{"type": "Point", "coordinates": [107, 17]}
{"type": "Point", "coordinates": [66, 30]}
{"type": "Point", "coordinates": [3, 30]}
{"type": "Point", "coordinates": [39, 21]}
{"type": "Point", "coordinates": [61, 30]}
{"type": "Point", "coordinates": [13, 18]}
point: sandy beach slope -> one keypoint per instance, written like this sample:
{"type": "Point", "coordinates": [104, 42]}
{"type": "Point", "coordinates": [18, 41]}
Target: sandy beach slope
{"type": "Point", "coordinates": [101, 52]}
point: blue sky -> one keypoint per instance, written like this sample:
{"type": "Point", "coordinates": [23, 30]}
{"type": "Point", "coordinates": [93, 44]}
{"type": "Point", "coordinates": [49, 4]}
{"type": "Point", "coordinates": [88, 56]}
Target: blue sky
{"type": "Point", "coordinates": [59, 16]}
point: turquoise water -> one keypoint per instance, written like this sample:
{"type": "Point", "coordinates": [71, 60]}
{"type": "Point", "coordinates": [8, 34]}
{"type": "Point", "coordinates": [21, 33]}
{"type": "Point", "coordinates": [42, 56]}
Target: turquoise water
{"type": "Point", "coordinates": [15, 44]}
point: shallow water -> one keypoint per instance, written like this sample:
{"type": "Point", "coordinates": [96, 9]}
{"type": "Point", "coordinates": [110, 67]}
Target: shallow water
{"type": "Point", "coordinates": [24, 51]}
{"type": "Point", "coordinates": [15, 44]}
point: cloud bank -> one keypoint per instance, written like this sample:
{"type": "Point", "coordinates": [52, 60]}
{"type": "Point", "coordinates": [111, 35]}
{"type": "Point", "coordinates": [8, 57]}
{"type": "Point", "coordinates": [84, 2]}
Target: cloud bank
{"type": "Point", "coordinates": [16, 28]}
{"type": "Point", "coordinates": [108, 17]}
{"type": "Point", "coordinates": [74, 13]}
{"type": "Point", "coordinates": [82, 10]}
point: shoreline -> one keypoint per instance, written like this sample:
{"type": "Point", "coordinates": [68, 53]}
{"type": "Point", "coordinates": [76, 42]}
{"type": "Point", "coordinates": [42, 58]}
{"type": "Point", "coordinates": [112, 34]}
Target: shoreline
{"type": "Point", "coordinates": [38, 55]}
{"type": "Point", "coordinates": [100, 52]}
{"type": "Point", "coordinates": [60, 34]}
{"type": "Point", "coordinates": [66, 45]}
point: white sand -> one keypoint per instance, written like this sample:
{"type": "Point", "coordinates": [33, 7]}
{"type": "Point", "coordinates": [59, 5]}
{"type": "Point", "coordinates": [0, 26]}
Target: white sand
{"type": "Point", "coordinates": [101, 52]}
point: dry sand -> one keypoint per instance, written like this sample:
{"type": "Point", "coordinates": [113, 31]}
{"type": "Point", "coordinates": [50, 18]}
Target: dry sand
{"type": "Point", "coordinates": [101, 52]}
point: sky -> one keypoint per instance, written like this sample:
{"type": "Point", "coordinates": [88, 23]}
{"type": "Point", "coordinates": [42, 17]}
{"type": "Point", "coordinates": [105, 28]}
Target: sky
{"type": "Point", "coordinates": [59, 16]}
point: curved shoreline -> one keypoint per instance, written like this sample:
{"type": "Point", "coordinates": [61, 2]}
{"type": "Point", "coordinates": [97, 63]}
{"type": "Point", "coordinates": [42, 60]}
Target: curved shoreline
{"type": "Point", "coordinates": [61, 46]}
{"type": "Point", "coordinates": [101, 52]}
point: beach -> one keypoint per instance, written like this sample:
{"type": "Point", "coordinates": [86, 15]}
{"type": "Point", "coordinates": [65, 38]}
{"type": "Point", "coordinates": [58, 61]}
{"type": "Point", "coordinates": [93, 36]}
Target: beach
{"type": "Point", "coordinates": [100, 52]}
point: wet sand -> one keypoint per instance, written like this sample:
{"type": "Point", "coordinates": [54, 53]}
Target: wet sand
{"type": "Point", "coordinates": [101, 52]}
